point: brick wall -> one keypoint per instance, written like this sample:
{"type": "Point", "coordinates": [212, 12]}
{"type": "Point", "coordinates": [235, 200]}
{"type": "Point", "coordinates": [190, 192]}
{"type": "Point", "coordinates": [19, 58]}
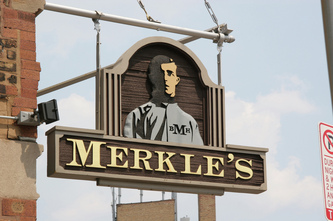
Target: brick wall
{"type": "Point", "coordinates": [148, 211]}
{"type": "Point", "coordinates": [19, 71]}
{"type": "Point", "coordinates": [16, 209]}
{"type": "Point", "coordinates": [207, 211]}
{"type": "Point", "coordinates": [19, 76]}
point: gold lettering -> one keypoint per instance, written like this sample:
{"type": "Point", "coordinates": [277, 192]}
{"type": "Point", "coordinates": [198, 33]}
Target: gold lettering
{"type": "Point", "coordinates": [244, 169]}
{"type": "Point", "coordinates": [83, 153]}
{"type": "Point", "coordinates": [115, 156]}
{"type": "Point", "coordinates": [188, 165]}
{"type": "Point", "coordinates": [144, 160]}
{"type": "Point", "coordinates": [210, 166]}
{"type": "Point", "coordinates": [166, 161]}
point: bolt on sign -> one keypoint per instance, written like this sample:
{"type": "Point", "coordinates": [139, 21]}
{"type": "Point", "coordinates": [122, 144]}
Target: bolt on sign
{"type": "Point", "coordinates": [326, 150]}
{"type": "Point", "coordinates": [161, 127]}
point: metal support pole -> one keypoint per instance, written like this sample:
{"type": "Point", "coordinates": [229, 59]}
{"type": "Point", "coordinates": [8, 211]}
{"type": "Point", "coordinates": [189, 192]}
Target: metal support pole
{"type": "Point", "coordinates": [98, 75]}
{"type": "Point", "coordinates": [66, 83]}
{"type": "Point", "coordinates": [113, 205]}
{"type": "Point", "coordinates": [163, 195]}
{"type": "Point", "coordinates": [219, 63]}
{"type": "Point", "coordinates": [119, 195]}
{"type": "Point", "coordinates": [327, 10]}
{"type": "Point", "coordinates": [136, 22]}
{"type": "Point", "coordinates": [191, 38]}
{"type": "Point", "coordinates": [174, 196]}
{"type": "Point", "coordinates": [141, 196]}
{"type": "Point", "coordinates": [9, 118]}
{"type": "Point", "coordinates": [219, 71]}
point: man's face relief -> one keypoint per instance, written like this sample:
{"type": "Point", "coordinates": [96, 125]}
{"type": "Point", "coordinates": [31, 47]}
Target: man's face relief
{"type": "Point", "coordinates": [170, 78]}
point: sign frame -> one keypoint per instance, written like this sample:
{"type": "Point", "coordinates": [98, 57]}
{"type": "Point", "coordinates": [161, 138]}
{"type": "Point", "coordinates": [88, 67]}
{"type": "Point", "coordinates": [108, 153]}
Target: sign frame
{"type": "Point", "coordinates": [148, 183]}
{"type": "Point", "coordinates": [111, 156]}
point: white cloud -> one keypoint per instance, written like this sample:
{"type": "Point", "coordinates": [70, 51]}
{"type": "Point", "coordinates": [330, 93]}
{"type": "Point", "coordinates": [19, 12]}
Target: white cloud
{"type": "Point", "coordinates": [291, 82]}
{"type": "Point", "coordinates": [259, 124]}
{"type": "Point", "coordinates": [77, 111]}
{"type": "Point", "coordinates": [284, 101]}
{"type": "Point", "coordinates": [287, 188]}
{"type": "Point", "coordinates": [88, 206]}
{"type": "Point", "coordinates": [59, 39]}
{"type": "Point", "coordinates": [246, 125]}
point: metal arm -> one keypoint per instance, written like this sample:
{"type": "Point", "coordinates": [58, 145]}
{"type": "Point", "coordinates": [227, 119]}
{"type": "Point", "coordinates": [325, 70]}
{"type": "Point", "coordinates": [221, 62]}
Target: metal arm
{"type": "Point", "coordinates": [135, 22]}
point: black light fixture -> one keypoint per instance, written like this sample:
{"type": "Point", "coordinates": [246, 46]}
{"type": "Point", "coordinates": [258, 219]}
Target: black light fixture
{"type": "Point", "coordinates": [48, 111]}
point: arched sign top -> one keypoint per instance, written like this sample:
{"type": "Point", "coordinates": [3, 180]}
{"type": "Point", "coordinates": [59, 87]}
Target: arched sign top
{"type": "Point", "coordinates": [127, 87]}
{"type": "Point", "coordinates": [122, 63]}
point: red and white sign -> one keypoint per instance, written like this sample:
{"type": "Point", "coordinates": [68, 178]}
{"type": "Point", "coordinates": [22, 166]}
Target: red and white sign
{"type": "Point", "coordinates": [326, 147]}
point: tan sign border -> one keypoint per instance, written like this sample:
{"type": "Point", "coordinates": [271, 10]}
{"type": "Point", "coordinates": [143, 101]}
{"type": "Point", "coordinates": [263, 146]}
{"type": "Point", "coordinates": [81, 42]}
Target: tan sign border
{"type": "Point", "coordinates": [150, 183]}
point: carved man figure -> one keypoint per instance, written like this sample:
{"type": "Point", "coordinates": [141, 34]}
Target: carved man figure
{"type": "Point", "coordinates": [161, 118]}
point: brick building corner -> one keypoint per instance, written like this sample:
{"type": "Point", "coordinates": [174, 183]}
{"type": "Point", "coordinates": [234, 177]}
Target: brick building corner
{"type": "Point", "coordinates": [207, 208]}
{"type": "Point", "coordinates": [19, 76]}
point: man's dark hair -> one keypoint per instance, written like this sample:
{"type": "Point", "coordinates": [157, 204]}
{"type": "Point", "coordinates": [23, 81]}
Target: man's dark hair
{"type": "Point", "coordinates": [156, 77]}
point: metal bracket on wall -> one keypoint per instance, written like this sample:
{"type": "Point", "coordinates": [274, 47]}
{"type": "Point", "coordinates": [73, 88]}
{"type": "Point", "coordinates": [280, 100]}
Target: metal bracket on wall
{"type": "Point", "coordinates": [24, 118]}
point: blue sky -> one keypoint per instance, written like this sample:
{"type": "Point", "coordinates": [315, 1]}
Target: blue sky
{"type": "Point", "coordinates": [277, 91]}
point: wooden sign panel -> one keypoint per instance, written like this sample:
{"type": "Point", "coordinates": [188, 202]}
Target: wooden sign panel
{"type": "Point", "coordinates": [137, 163]}
{"type": "Point", "coordinates": [127, 85]}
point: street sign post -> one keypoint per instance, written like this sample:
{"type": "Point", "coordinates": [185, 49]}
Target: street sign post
{"type": "Point", "coordinates": [326, 149]}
